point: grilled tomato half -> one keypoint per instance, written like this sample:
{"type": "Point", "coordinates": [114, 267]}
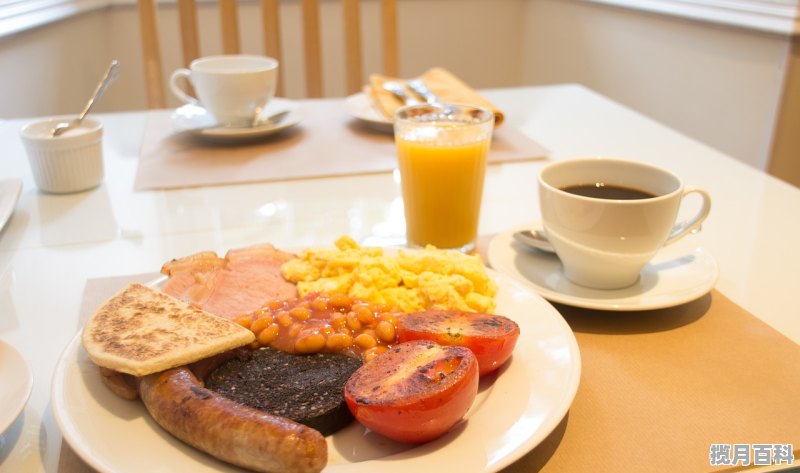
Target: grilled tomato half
{"type": "Point", "coordinates": [415, 391]}
{"type": "Point", "coordinates": [490, 337]}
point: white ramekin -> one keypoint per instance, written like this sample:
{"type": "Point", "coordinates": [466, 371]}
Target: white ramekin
{"type": "Point", "coordinates": [71, 162]}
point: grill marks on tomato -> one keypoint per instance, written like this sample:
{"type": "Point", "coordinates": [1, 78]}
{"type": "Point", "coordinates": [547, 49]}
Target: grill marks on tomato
{"type": "Point", "coordinates": [490, 337]}
{"type": "Point", "coordinates": [414, 392]}
{"type": "Point", "coordinates": [436, 371]}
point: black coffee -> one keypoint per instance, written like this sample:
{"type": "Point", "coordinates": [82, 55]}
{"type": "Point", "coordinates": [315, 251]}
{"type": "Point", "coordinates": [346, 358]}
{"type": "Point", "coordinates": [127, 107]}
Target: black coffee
{"type": "Point", "coordinates": [606, 191]}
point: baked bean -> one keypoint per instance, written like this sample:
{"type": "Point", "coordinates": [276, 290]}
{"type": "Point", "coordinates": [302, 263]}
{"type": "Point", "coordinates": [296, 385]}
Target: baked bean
{"type": "Point", "coordinates": [269, 334]}
{"type": "Point", "coordinates": [301, 313]}
{"type": "Point", "coordinates": [260, 324]}
{"type": "Point", "coordinates": [285, 319]}
{"type": "Point", "coordinates": [323, 322]}
{"type": "Point", "coordinates": [340, 301]}
{"type": "Point", "coordinates": [295, 329]}
{"type": "Point", "coordinates": [339, 341]}
{"type": "Point", "coordinates": [319, 304]}
{"type": "Point", "coordinates": [310, 343]}
{"type": "Point", "coordinates": [365, 341]}
{"type": "Point", "coordinates": [338, 320]}
{"type": "Point", "coordinates": [352, 321]}
{"type": "Point", "coordinates": [389, 317]}
{"type": "Point", "coordinates": [371, 353]}
{"type": "Point", "coordinates": [245, 321]}
{"type": "Point", "coordinates": [385, 331]}
{"type": "Point", "coordinates": [365, 315]}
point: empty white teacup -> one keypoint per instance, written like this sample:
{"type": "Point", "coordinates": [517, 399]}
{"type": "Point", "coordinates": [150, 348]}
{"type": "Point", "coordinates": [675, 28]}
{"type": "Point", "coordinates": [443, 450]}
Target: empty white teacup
{"type": "Point", "coordinates": [232, 88]}
{"type": "Point", "coordinates": [607, 217]}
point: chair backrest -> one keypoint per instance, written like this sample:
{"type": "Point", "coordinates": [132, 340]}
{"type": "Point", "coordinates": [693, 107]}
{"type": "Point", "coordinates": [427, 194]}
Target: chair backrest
{"type": "Point", "coordinates": [270, 19]}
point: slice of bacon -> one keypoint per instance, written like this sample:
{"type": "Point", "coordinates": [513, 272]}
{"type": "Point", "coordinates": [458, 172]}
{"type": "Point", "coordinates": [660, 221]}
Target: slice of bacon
{"type": "Point", "coordinates": [243, 281]}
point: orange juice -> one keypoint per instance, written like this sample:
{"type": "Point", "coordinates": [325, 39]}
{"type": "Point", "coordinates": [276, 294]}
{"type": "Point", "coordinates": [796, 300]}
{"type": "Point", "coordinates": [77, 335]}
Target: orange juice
{"type": "Point", "coordinates": [442, 186]}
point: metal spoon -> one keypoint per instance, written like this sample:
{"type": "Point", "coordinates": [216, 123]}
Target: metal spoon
{"type": "Point", "coordinates": [111, 73]}
{"type": "Point", "coordinates": [534, 239]}
{"type": "Point", "coordinates": [399, 91]}
{"type": "Point", "coordinates": [270, 120]}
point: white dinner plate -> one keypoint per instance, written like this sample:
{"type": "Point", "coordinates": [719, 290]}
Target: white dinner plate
{"type": "Point", "coordinates": [9, 194]}
{"type": "Point", "coordinates": [515, 410]}
{"type": "Point", "coordinates": [679, 273]}
{"type": "Point", "coordinates": [360, 106]}
{"type": "Point", "coordinates": [16, 382]}
{"type": "Point", "coordinates": [196, 120]}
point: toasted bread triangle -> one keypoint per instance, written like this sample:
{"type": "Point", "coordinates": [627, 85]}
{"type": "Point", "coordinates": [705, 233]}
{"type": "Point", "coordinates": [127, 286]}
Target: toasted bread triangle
{"type": "Point", "coordinates": [141, 330]}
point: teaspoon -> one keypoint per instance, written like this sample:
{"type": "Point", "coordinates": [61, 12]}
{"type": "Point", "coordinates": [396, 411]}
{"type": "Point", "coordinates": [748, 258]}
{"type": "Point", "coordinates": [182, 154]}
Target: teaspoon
{"type": "Point", "coordinates": [111, 73]}
{"type": "Point", "coordinates": [534, 239]}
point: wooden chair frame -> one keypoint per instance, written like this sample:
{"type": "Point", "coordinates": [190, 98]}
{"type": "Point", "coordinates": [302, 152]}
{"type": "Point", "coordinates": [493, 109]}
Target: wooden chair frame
{"type": "Point", "coordinates": [228, 11]}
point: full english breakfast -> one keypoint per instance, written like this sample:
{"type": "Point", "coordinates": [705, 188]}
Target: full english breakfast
{"type": "Point", "coordinates": [256, 356]}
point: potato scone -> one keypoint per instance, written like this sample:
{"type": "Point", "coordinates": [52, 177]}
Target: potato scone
{"type": "Point", "coordinates": [141, 330]}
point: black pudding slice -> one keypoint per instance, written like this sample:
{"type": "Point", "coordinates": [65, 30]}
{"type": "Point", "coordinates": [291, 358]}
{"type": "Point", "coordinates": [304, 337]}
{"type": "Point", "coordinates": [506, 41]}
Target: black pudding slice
{"type": "Point", "coordinates": [308, 389]}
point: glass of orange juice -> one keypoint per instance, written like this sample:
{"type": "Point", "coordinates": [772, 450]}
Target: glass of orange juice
{"type": "Point", "coordinates": [441, 152]}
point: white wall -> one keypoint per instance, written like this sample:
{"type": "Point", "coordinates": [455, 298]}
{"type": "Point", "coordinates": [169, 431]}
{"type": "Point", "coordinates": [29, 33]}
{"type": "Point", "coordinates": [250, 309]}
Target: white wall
{"type": "Point", "coordinates": [720, 85]}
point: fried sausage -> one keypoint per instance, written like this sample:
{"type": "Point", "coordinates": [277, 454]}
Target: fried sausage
{"type": "Point", "coordinates": [121, 384]}
{"type": "Point", "coordinates": [230, 431]}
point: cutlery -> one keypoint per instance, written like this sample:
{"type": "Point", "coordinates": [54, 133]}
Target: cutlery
{"type": "Point", "coordinates": [418, 86]}
{"type": "Point", "coordinates": [110, 75]}
{"type": "Point", "coordinates": [271, 120]}
{"type": "Point", "coordinates": [399, 91]}
{"type": "Point", "coordinates": [534, 239]}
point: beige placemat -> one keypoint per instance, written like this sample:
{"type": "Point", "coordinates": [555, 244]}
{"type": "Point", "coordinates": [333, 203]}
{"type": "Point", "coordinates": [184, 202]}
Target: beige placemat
{"type": "Point", "coordinates": [657, 388]}
{"type": "Point", "coordinates": [327, 142]}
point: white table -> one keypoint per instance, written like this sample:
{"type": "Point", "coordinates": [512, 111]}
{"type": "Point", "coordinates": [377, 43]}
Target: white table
{"type": "Point", "coordinates": [53, 244]}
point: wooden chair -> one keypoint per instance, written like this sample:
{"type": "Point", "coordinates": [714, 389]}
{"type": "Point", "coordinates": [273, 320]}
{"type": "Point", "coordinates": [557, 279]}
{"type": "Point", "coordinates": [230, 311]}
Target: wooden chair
{"type": "Point", "coordinates": [228, 11]}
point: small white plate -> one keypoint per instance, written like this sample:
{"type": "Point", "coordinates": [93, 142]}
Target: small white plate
{"type": "Point", "coordinates": [9, 194]}
{"type": "Point", "coordinates": [198, 121]}
{"type": "Point", "coordinates": [513, 412]}
{"type": "Point", "coordinates": [16, 385]}
{"type": "Point", "coordinates": [679, 273]}
{"type": "Point", "coordinates": [360, 106]}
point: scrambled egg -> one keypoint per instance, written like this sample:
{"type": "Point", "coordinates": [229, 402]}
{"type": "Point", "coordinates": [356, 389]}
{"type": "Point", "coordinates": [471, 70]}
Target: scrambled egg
{"type": "Point", "coordinates": [409, 280]}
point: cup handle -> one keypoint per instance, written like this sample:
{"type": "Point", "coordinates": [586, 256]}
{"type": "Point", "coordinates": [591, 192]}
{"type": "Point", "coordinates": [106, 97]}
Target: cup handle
{"type": "Point", "coordinates": [174, 85]}
{"type": "Point", "coordinates": [681, 229]}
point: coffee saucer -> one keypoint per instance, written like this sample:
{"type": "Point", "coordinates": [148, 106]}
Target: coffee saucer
{"type": "Point", "coordinates": [679, 273]}
{"type": "Point", "coordinates": [196, 120]}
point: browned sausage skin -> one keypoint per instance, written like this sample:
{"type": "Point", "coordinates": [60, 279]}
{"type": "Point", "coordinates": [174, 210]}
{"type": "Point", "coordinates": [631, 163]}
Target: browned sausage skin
{"type": "Point", "coordinates": [232, 432]}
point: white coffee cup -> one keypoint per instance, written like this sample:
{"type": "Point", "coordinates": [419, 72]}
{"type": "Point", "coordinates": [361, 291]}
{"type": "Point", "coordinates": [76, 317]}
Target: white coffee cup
{"type": "Point", "coordinates": [604, 242]}
{"type": "Point", "coordinates": [233, 88]}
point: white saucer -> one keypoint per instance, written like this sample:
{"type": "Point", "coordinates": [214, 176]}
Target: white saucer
{"type": "Point", "coordinates": [9, 194]}
{"type": "Point", "coordinates": [17, 382]}
{"type": "Point", "coordinates": [198, 121]}
{"type": "Point", "coordinates": [360, 106]}
{"type": "Point", "coordinates": [679, 273]}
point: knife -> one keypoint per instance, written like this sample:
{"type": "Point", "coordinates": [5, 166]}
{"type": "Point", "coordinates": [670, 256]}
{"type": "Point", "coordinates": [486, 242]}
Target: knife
{"type": "Point", "coordinates": [419, 87]}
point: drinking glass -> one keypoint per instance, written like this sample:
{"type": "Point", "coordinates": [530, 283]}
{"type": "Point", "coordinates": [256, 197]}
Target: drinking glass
{"type": "Point", "coordinates": [442, 151]}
